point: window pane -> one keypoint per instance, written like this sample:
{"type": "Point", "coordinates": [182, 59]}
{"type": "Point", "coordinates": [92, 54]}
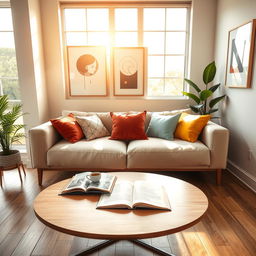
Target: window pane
{"type": "Point", "coordinates": [154, 19]}
{"type": "Point", "coordinates": [6, 40]}
{"type": "Point", "coordinates": [75, 19]}
{"type": "Point", "coordinates": [6, 16]}
{"type": "Point", "coordinates": [155, 42]}
{"type": "Point", "coordinates": [97, 19]}
{"type": "Point", "coordinates": [76, 38]}
{"type": "Point", "coordinates": [126, 39]}
{"type": "Point", "coordinates": [156, 66]}
{"type": "Point", "coordinates": [98, 38]}
{"type": "Point", "coordinates": [155, 87]}
{"type": "Point", "coordinates": [174, 86]}
{"type": "Point", "coordinates": [176, 18]}
{"type": "Point", "coordinates": [126, 19]}
{"type": "Point", "coordinates": [11, 88]}
{"type": "Point", "coordinates": [175, 42]}
{"type": "Point", "coordinates": [8, 62]}
{"type": "Point", "coordinates": [174, 66]}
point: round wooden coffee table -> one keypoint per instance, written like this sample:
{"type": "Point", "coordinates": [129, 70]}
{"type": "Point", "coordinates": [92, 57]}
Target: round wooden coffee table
{"type": "Point", "coordinates": [77, 214]}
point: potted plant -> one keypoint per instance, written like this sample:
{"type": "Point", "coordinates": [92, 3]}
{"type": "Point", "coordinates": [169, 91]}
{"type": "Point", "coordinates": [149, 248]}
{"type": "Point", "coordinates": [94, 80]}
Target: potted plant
{"type": "Point", "coordinates": [202, 107]}
{"type": "Point", "coordinates": [10, 132]}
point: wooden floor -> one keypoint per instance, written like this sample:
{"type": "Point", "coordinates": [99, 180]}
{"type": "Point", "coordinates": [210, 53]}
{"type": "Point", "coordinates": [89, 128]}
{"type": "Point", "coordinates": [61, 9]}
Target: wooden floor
{"type": "Point", "coordinates": [229, 227]}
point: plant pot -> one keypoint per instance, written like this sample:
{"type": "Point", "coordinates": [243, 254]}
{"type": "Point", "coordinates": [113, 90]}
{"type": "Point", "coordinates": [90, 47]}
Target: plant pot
{"type": "Point", "coordinates": [10, 160]}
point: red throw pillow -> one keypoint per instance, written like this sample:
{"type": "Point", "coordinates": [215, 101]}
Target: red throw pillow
{"type": "Point", "coordinates": [128, 127]}
{"type": "Point", "coordinates": [68, 128]}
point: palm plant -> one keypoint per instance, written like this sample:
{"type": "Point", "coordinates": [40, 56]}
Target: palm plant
{"type": "Point", "coordinates": [201, 107]}
{"type": "Point", "coordinates": [10, 132]}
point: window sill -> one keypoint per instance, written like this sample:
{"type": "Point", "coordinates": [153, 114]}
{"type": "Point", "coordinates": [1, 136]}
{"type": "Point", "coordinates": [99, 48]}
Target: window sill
{"type": "Point", "coordinates": [166, 98]}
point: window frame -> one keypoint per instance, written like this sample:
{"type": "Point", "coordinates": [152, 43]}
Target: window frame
{"type": "Point", "coordinates": [140, 6]}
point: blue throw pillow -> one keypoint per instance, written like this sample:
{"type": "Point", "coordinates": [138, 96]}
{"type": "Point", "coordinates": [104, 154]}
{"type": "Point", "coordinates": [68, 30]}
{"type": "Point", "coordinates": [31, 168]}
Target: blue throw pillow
{"type": "Point", "coordinates": [162, 126]}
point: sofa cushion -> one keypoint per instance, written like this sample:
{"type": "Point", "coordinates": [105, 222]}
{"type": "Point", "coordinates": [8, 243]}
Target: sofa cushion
{"type": "Point", "coordinates": [68, 128]}
{"type": "Point", "coordinates": [98, 153]}
{"type": "Point", "coordinates": [162, 126]}
{"type": "Point", "coordinates": [128, 127]}
{"type": "Point", "coordinates": [156, 153]}
{"type": "Point", "coordinates": [190, 126]}
{"type": "Point", "coordinates": [92, 127]}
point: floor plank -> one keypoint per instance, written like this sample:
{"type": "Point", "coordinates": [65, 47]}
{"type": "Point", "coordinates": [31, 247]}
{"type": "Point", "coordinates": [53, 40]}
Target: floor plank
{"type": "Point", "coordinates": [228, 227]}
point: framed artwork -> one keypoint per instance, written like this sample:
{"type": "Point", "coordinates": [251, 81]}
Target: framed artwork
{"type": "Point", "coordinates": [128, 66]}
{"type": "Point", "coordinates": [87, 74]}
{"type": "Point", "coordinates": [241, 44]}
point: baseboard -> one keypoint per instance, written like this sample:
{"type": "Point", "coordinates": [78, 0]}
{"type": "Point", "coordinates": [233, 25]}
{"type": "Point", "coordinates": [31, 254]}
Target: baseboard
{"type": "Point", "coordinates": [242, 175]}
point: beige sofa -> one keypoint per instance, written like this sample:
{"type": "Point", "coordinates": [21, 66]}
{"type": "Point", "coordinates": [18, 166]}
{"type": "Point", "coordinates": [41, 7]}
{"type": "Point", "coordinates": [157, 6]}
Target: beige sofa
{"type": "Point", "coordinates": [50, 152]}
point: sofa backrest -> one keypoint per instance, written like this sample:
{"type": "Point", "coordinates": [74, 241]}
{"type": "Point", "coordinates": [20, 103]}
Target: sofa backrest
{"type": "Point", "coordinates": [107, 121]}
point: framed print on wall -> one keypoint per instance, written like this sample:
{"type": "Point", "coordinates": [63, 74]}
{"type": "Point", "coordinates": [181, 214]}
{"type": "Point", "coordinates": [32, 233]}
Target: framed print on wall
{"type": "Point", "coordinates": [241, 44]}
{"type": "Point", "coordinates": [128, 67]}
{"type": "Point", "coordinates": [87, 75]}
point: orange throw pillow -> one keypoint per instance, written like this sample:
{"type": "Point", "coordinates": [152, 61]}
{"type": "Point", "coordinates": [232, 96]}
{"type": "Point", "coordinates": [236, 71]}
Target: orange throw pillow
{"type": "Point", "coordinates": [128, 127]}
{"type": "Point", "coordinates": [68, 128]}
{"type": "Point", "coordinates": [190, 126]}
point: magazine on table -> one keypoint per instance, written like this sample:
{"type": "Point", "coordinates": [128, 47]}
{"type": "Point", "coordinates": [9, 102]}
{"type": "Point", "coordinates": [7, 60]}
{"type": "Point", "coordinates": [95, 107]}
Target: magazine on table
{"type": "Point", "coordinates": [81, 184]}
{"type": "Point", "coordinates": [138, 194]}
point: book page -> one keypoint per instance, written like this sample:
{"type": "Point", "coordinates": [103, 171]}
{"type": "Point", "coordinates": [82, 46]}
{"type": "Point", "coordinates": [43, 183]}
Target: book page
{"type": "Point", "coordinates": [105, 183]}
{"type": "Point", "coordinates": [121, 196]}
{"type": "Point", "coordinates": [150, 195]}
{"type": "Point", "coordinates": [79, 181]}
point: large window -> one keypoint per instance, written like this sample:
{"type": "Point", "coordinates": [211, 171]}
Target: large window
{"type": "Point", "coordinates": [8, 67]}
{"type": "Point", "coordinates": [9, 83]}
{"type": "Point", "coordinates": [163, 30]}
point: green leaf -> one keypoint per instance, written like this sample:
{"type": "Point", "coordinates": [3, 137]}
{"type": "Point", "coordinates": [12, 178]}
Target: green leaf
{"type": "Point", "coordinates": [192, 96]}
{"type": "Point", "coordinates": [10, 132]}
{"type": "Point", "coordinates": [214, 88]}
{"type": "Point", "coordinates": [205, 94]}
{"type": "Point", "coordinates": [216, 100]}
{"type": "Point", "coordinates": [3, 104]}
{"type": "Point", "coordinates": [192, 84]}
{"type": "Point", "coordinates": [212, 110]}
{"type": "Point", "coordinates": [194, 109]}
{"type": "Point", "coordinates": [199, 106]}
{"type": "Point", "coordinates": [209, 73]}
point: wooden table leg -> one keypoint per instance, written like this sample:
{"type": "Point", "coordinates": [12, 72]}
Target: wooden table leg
{"type": "Point", "coordinates": [96, 247]}
{"type": "Point", "coordinates": [18, 166]}
{"type": "Point", "coordinates": [23, 168]}
{"type": "Point", "coordinates": [151, 247]}
{"type": "Point", "coordinates": [109, 242]}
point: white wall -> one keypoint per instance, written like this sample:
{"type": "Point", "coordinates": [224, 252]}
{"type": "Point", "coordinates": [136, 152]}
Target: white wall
{"type": "Point", "coordinates": [202, 48]}
{"type": "Point", "coordinates": [30, 61]}
{"type": "Point", "coordinates": [239, 111]}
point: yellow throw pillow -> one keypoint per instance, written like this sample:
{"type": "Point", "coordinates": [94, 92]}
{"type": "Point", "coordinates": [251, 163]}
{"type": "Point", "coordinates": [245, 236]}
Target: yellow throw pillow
{"type": "Point", "coordinates": [190, 126]}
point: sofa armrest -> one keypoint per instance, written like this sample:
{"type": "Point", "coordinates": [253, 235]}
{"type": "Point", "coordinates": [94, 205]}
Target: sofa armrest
{"type": "Point", "coordinates": [216, 138]}
{"type": "Point", "coordinates": [41, 138]}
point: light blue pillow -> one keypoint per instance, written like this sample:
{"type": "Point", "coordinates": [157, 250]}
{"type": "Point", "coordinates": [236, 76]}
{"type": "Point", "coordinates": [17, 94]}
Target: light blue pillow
{"type": "Point", "coordinates": [162, 126]}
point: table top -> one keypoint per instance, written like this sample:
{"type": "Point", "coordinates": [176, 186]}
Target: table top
{"type": "Point", "coordinates": [77, 214]}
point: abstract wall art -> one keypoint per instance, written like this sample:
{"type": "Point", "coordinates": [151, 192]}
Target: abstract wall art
{"type": "Point", "coordinates": [129, 71]}
{"type": "Point", "coordinates": [240, 56]}
{"type": "Point", "coordinates": [87, 71]}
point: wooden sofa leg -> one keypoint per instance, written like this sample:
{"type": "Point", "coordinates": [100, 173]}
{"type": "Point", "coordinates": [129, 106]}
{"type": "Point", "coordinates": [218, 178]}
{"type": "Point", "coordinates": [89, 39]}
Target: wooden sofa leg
{"type": "Point", "coordinates": [40, 176]}
{"type": "Point", "coordinates": [1, 176]}
{"type": "Point", "coordinates": [218, 176]}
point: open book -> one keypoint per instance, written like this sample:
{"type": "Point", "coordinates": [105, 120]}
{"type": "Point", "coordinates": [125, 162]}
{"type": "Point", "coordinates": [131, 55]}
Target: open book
{"type": "Point", "coordinates": [140, 194]}
{"type": "Point", "coordinates": [81, 184]}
